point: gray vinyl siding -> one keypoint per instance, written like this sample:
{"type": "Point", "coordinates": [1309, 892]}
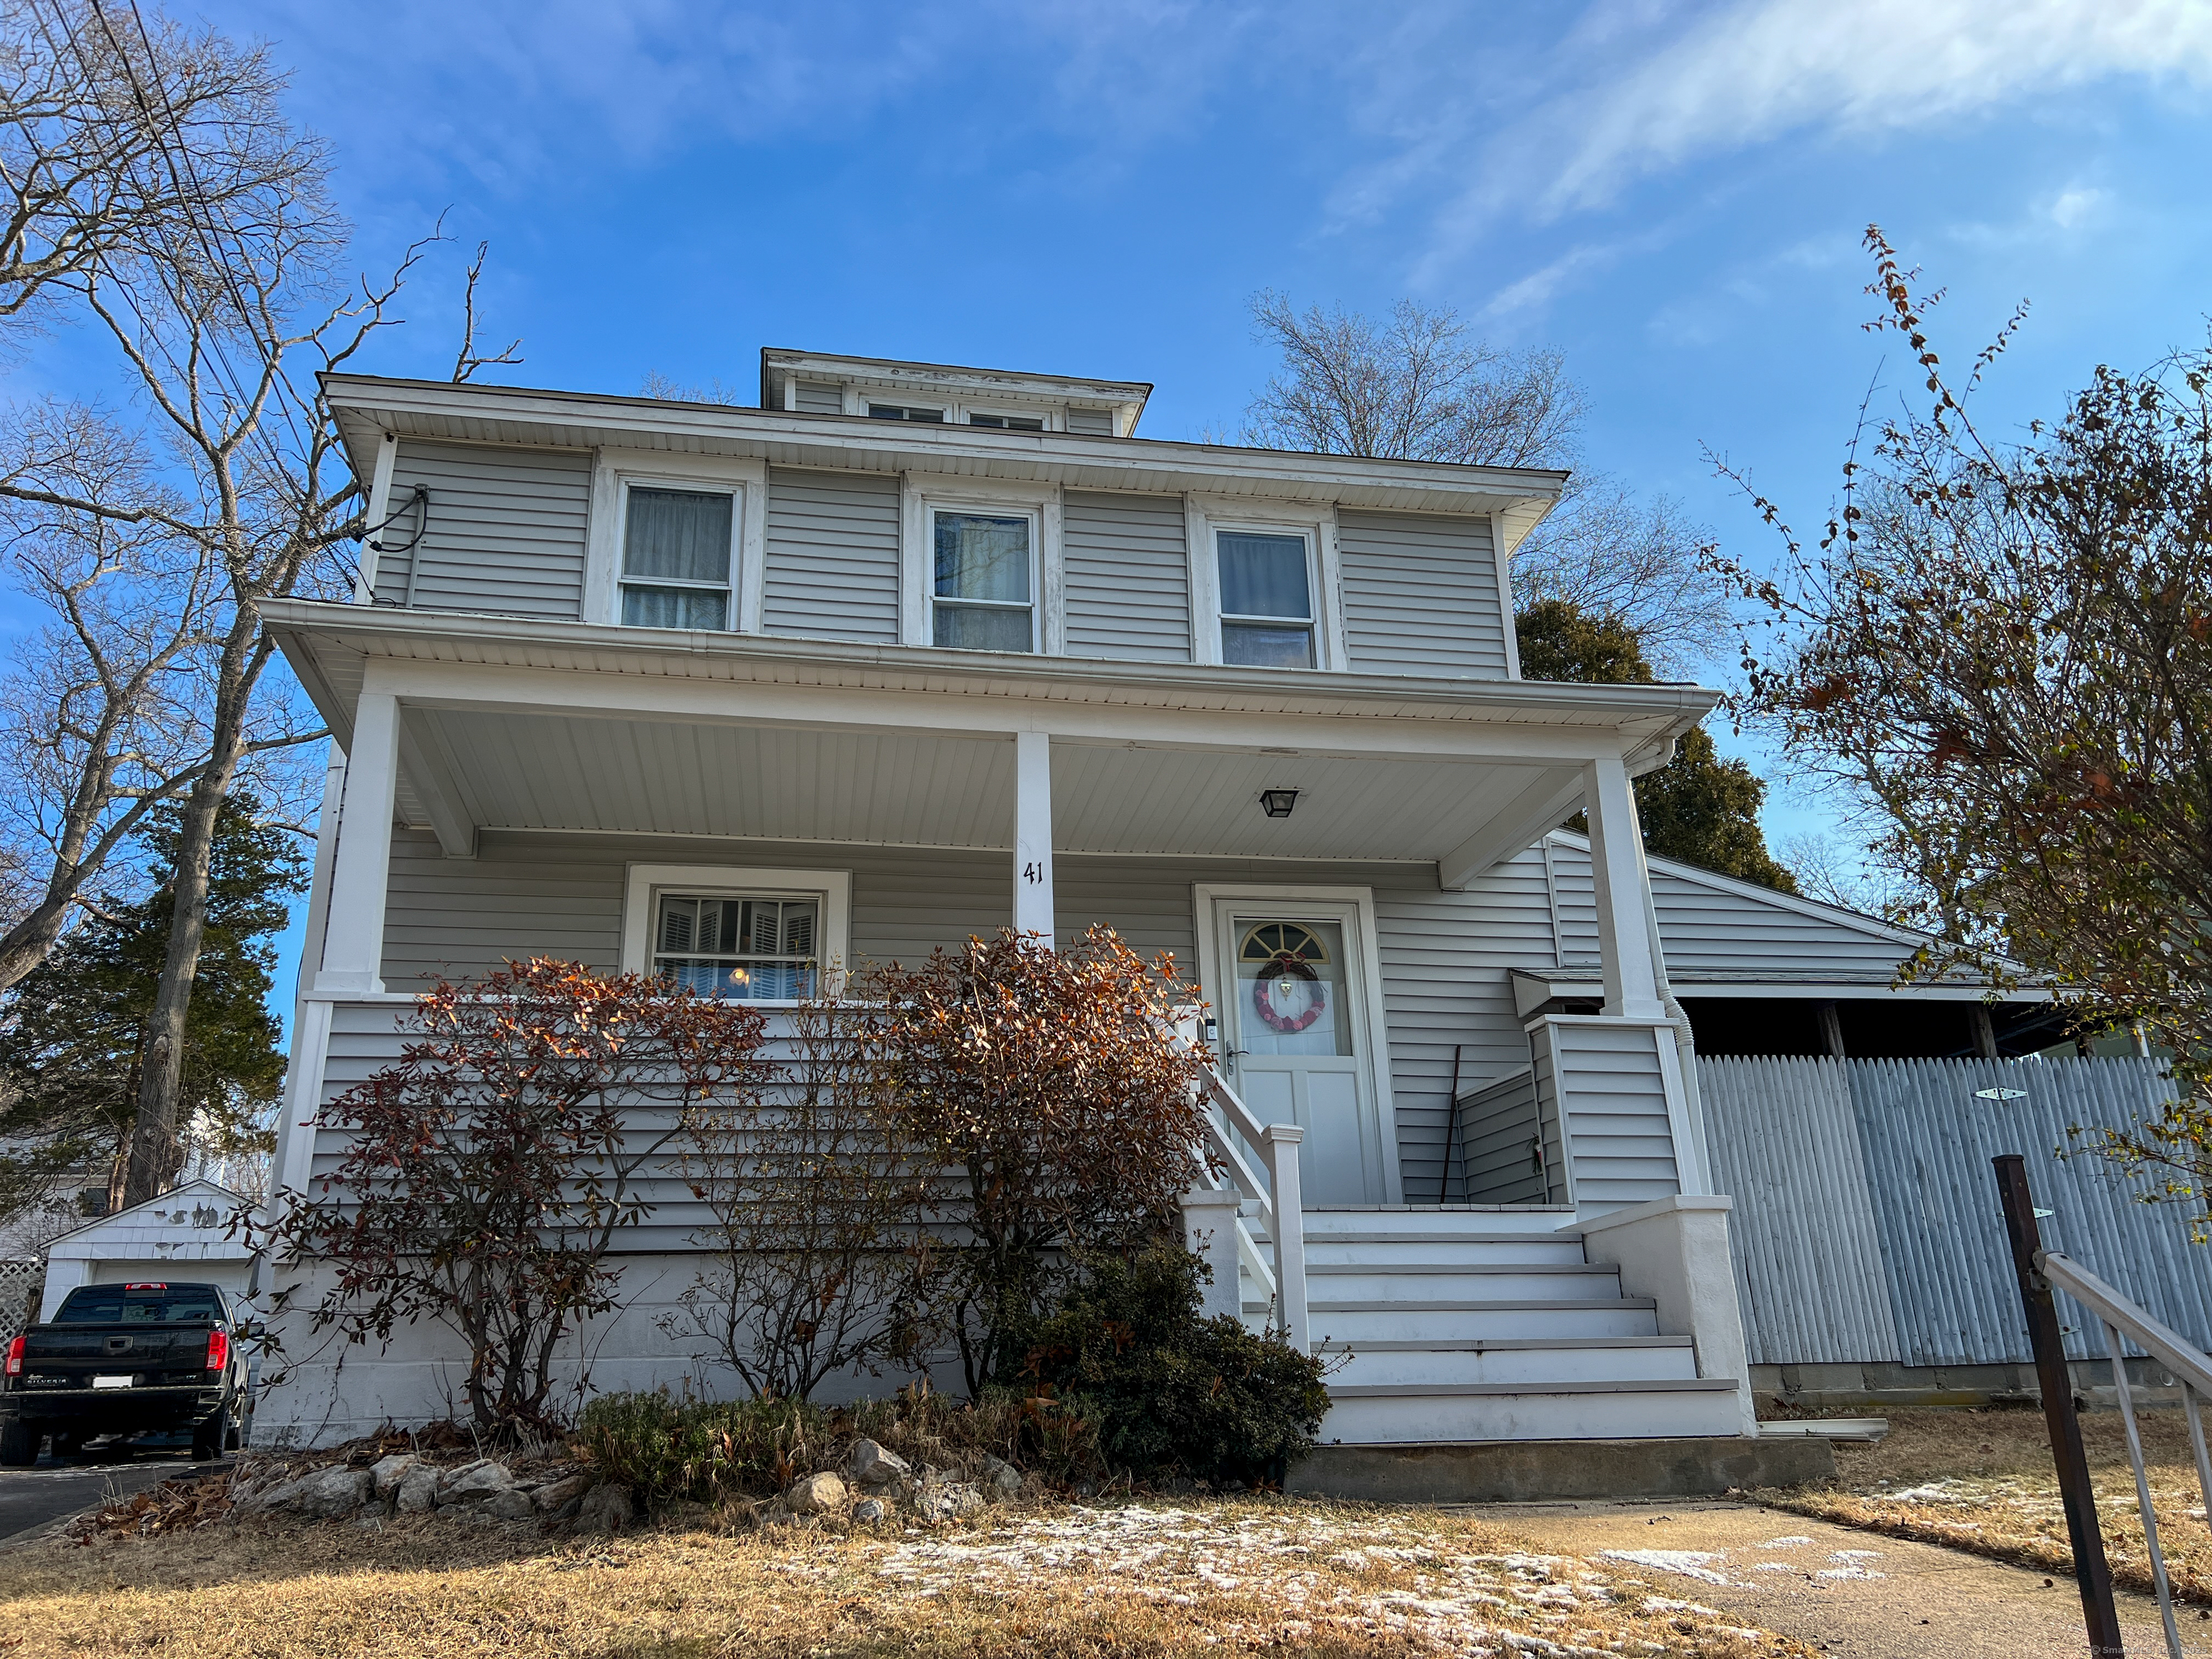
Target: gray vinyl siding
{"type": "Point", "coordinates": [832, 555]}
{"type": "Point", "coordinates": [1620, 1143]}
{"type": "Point", "coordinates": [1091, 423]}
{"type": "Point", "coordinates": [818, 398]}
{"type": "Point", "coordinates": [1444, 956]}
{"type": "Point", "coordinates": [504, 532]}
{"type": "Point", "coordinates": [1420, 594]}
{"type": "Point", "coordinates": [1498, 1128]}
{"type": "Point", "coordinates": [1707, 928]}
{"type": "Point", "coordinates": [1127, 577]}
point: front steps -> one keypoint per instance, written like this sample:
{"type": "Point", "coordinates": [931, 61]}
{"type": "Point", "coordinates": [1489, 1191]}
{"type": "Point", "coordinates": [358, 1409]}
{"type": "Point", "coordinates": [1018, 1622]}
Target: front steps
{"type": "Point", "coordinates": [1473, 1324]}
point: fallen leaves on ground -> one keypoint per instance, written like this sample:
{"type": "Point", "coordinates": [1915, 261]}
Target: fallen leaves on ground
{"type": "Point", "coordinates": [1239, 1575]}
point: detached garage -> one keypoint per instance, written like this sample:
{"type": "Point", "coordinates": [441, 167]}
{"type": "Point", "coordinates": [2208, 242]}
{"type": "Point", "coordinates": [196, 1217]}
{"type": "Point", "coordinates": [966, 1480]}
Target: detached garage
{"type": "Point", "coordinates": [182, 1235]}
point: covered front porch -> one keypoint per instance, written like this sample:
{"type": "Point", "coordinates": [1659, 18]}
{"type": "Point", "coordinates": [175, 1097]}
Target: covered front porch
{"type": "Point", "coordinates": [1371, 831]}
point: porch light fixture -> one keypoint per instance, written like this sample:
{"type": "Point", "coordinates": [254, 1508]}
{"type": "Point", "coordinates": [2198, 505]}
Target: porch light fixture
{"type": "Point", "coordinates": [1277, 803]}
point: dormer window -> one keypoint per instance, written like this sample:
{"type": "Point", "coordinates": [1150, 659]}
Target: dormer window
{"type": "Point", "coordinates": [1009, 423]}
{"type": "Point", "coordinates": [1266, 599]}
{"type": "Point", "coordinates": [676, 556]}
{"type": "Point", "coordinates": [983, 589]}
{"type": "Point", "coordinates": [906, 412]}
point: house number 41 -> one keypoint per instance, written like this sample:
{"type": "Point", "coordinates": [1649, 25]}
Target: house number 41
{"type": "Point", "coordinates": [1033, 873]}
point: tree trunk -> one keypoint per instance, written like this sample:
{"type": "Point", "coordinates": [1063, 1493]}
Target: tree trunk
{"type": "Point", "coordinates": [157, 1154]}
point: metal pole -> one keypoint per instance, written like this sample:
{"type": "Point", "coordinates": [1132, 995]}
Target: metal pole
{"type": "Point", "coordinates": [2101, 1618]}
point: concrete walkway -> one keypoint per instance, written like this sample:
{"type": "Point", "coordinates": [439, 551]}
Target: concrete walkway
{"type": "Point", "coordinates": [1859, 1595]}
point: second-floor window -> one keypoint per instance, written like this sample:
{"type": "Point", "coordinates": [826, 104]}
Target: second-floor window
{"type": "Point", "coordinates": [676, 559]}
{"type": "Point", "coordinates": [983, 590]}
{"type": "Point", "coordinates": [1267, 600]}
{"type": "Point", "coordinates": [1009, 423]}
{"type": "Point", "coordinates": [906, 412]}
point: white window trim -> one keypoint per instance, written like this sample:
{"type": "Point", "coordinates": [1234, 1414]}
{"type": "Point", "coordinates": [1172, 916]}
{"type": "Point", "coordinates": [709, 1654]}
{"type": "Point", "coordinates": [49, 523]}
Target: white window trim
{"type": "Point", "coordinates": [614, 471]}
{"type": "Point", "coordinates": [921, 495]}
{"type": "Point", "coordinates": [1010, 413]}
{"type": "Point", "coordinates": [833, 887]}
{"type": "Point", "coordinates": [1204, 515]}
{"type": "Point", "coordinates": [1355, 908]}
{"type": "Point", "coordinates": [1504, 559]}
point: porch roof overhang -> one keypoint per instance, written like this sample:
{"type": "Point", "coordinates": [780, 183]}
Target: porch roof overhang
{"type": "Point", "coordinates": [367, 406]}
{"type": "Point", "coordinates": [513, 724]}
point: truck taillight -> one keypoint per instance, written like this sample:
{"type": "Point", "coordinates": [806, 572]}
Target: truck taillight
{"type": "Point", "coordinates": [15, 1358]}
{"type": "Point", "coordinates": [218, 1350]}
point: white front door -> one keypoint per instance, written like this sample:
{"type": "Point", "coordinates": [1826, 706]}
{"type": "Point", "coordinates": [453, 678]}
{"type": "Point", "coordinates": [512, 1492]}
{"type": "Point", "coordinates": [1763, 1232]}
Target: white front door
{"type": "Point", "coordinates": [1291, 991]}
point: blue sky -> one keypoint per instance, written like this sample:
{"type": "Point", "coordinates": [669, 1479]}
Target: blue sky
{"type": "Point", "coordinates": [1671, 194]}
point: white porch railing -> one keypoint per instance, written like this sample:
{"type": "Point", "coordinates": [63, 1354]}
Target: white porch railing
{"type": "Point", "coordinates": [1273, 1199]}
{"type": "Point", "coordinates": [2120, 1316]}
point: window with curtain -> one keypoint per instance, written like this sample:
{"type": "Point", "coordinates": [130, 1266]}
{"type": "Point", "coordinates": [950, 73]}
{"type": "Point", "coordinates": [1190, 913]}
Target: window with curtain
{"type": "Point", "coordinates": [676, 559]}
{"type": "Point", "coordinates": [743, 950]}
{"type": "Point", "coordinates": [983, 594]}
{"type": "Point", "coordinates": [1267, 600]}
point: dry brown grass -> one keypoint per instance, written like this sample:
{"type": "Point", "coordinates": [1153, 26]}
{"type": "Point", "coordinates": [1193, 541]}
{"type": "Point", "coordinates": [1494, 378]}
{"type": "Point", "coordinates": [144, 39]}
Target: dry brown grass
{"type": "Point", "coordinates": [1984, 1481]}
{"type": "Point", "coordinates": [1041, 1581]}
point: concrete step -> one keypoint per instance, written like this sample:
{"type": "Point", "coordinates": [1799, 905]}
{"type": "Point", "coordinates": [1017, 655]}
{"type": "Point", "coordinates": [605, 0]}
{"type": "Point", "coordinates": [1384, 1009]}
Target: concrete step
{"type": "Point", "coordinates": [1438, 1218]}
{"type": "Point", "coordinates": [1529, 1318]}
{"type": "Point", "coordinates": [1475, 1249]}
{"type": "Point", "coordinates": [1418, 1414]}
{"type": "Point", "coordinates": [1445, 1281]}
{"type": "Point", "coordinates": [1532, 1363]}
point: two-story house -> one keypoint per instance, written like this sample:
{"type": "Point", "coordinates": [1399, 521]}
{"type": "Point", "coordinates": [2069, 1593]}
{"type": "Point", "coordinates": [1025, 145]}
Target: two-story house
{"type": "Point", "coordinates": [910, 652]}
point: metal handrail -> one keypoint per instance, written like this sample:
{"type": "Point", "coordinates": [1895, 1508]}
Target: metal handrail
{"type": "Point", "coordinates": [2119, 1315]}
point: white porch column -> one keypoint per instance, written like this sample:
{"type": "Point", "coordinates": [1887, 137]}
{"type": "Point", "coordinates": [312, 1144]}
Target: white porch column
{"type": "Point", "coordinates": [353, 935]}
{"type": "Point", "coordinates": [1033, 834]}
{"type": "Point", "coordinates": [1625, 926]}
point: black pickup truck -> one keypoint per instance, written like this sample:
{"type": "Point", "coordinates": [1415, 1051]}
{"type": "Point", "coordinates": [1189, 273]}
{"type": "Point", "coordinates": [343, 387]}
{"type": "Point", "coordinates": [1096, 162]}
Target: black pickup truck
{"type": "Point", "coordinates": [128, 1359]}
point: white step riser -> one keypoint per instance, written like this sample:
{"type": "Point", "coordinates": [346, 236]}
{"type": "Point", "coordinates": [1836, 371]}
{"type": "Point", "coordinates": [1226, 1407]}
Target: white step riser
{"type": "Point", "coordinates": [1412, 1323]}
{"type": "Point", "coordinates": [1380, 1284]}
{"type": "Point", "coordinates": [1428, 1418]}
{"type": "Point", "coordinates": [1533, 1365]}
{"type": "Point", "coordinates": [1534, 1223]}
{"type": "Point", "coordinates": [1549, 1252]}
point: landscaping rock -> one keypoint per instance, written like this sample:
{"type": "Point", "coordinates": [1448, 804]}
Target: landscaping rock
{"type": "Point", "coordinates": [329, 1493]}
{"type": "Point", "coordinates": [816, 1494]}
{"type": "Point", "coordinates": [511, 1504]}
{"type": "Point", "coordinates": [386, 1473]}
{"type": "Point", "coordinates": [606, 1508]}
{"type": "Point", "coordinates": [872, 1466]}
{"type": "Point", "coordinates": [1001, 1477]}
{"type": "Point", "coordinates": [949, 1502]}
{"type": "Point", "coordinates": [418, 1490]}
{"type": "Point", "coordinates": [556, 1494]}
{"type": "Point", "coordinates": [870, 1510]}
{"type": "Point", "coordinates": [475, 1483]}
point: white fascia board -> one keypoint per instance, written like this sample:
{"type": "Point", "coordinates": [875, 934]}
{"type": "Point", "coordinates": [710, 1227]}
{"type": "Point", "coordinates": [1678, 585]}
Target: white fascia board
{"type": "Point", "coordinates": [368, 406]}
{"type": "Point", "coordinates": [895, 372]}
{"type": "Point", "coordinates": [1543, 721]}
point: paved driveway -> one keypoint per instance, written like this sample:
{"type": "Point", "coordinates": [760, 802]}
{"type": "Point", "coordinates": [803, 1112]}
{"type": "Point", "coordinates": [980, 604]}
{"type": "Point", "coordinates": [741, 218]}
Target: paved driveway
{"type": "Point", "coordinates": [1858, 1594]}
{"type": "Point", "coordinates": [32, 1497]}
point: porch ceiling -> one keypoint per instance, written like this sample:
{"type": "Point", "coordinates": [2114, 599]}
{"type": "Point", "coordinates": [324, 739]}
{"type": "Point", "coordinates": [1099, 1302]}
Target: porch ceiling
{"type": "Point", "coordinates": [492, 768]}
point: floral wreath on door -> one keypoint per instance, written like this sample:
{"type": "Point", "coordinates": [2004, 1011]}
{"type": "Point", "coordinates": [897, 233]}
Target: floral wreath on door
{"type": "Point", "coordinates": [1287, 994]}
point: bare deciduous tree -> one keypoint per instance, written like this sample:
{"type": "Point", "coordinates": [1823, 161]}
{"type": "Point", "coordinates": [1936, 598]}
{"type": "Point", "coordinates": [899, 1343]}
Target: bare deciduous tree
{"type": "Point", "coordinates": [93, 118]}
{"type": "Point", "coordinates": [1419, 386]}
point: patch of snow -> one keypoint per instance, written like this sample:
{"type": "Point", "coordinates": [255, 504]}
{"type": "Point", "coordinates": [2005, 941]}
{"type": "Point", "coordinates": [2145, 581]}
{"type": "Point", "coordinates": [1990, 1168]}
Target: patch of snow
{"type": "Point", "coordinates": [1689, 1563]}
{"type": "Point", "coordinates": [1788, 1541]}
{"type": "Point", "coordinates": [1936, 1492]}
{"type": "Point", "coordinates": [1668, 1604]}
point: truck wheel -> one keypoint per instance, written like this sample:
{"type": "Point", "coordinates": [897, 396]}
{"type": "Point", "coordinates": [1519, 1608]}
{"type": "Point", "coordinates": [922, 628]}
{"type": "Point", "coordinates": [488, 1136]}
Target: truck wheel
{"type": "Point", "coordinates": [207, 1442]}
{"type": "Point", "coordinates": [18, 1443]}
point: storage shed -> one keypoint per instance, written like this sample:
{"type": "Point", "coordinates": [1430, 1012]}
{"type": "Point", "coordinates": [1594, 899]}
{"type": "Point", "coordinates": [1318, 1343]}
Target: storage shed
{"type": "Point", "coordinates": [182, 1235]}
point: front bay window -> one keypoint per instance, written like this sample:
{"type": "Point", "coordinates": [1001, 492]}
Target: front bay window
{"type": "Point", "coordinates": [676, 556]}
{"type": "Point", "coordinates": [746, 950]}
{"type": "Point", "coordinates": [983, 590]}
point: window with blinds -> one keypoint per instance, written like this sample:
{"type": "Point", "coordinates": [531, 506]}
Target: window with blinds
{"type": "Point", "coordinates": [747, 949]}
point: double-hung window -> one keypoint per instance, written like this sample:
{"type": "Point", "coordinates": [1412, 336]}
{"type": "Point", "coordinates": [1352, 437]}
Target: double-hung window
{"type": "Point", "coordinates": [906, 412]}
{"type": "Point", "coordinates": [1266, 599]}
{"type": "Point", "coordinates": [676, 555]}
{"type": "Point", "coordinates": [983, 581]}
{"type": "Point", "coordinates": [745, 950]}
